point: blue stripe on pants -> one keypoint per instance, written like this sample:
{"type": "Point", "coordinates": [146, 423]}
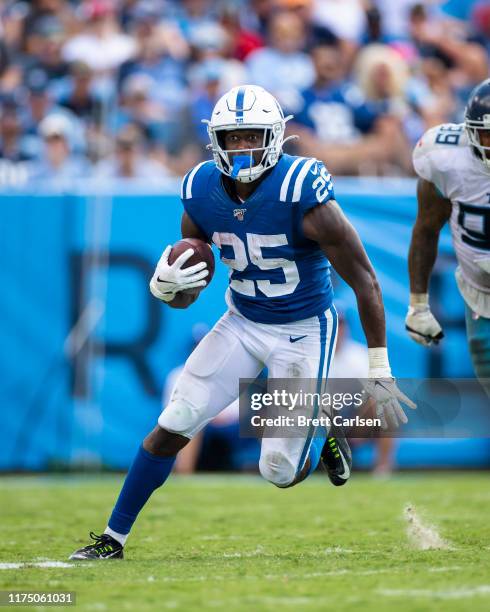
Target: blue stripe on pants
{"type": "Point", "coordinates": [323, 339]}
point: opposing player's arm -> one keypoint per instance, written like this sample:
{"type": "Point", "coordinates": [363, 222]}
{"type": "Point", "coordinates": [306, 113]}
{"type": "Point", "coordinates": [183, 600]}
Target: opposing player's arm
{"type": "Point", "coordinates": [329, 227]}
{"type": "Point", "coordinates": [433, 212]}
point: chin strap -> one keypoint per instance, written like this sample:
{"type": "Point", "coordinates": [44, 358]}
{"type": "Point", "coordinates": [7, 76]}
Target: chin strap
{"type": "Point", "coordinates": [239, 161]}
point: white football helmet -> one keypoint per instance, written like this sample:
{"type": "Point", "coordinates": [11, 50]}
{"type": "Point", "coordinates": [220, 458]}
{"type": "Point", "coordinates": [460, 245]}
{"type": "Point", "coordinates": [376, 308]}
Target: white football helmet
{"type": "Point", "coordinates": [247, 107]}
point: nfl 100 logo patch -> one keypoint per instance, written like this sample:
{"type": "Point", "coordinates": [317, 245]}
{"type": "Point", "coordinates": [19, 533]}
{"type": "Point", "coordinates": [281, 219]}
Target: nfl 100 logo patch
{"type": "Point", "coordinates": [239, 213]}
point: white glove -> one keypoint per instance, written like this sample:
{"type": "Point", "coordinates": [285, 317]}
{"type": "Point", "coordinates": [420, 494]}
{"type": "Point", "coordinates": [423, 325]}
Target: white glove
{"type": "Point", "coordinates": [168, 280]}
{"type": "Point", "coordinates": [387, 397]}
{"type": "Point", "coordinates": [381, 386]}
{"type": "Point", "coordinates": [420, 323]}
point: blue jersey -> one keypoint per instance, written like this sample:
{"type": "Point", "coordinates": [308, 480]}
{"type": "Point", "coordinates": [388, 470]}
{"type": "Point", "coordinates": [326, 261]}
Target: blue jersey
{"type": "Point", "coordinates": [337, 113]}
{"type": "Point", "coordinates": [277, 275]}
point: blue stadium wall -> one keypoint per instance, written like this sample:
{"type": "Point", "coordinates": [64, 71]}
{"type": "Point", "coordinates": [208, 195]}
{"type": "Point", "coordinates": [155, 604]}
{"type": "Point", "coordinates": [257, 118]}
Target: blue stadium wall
{"type": "Point", "coordinates": [80, 261]}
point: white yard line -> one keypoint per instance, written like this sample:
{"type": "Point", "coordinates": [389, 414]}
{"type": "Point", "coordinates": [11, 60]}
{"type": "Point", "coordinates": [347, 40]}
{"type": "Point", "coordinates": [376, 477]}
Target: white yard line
{"type": "Point", "coordinates": [422, 535]}
{"type": "Point", "coordinates": [27, 564]}
{"type": "Point", "coordinates": [459, 593]}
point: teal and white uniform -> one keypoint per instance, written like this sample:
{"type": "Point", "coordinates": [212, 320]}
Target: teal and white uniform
{"type": "Point", "coordinates": [444, 157]}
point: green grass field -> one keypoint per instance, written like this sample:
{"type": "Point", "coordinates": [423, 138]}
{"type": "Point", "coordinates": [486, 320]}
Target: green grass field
{"type": "Point", "coordinates": [237, 543]}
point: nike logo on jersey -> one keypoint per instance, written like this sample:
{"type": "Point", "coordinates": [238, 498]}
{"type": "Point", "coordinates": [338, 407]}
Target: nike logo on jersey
{"type": "Point", "coordinates": [291, 339]}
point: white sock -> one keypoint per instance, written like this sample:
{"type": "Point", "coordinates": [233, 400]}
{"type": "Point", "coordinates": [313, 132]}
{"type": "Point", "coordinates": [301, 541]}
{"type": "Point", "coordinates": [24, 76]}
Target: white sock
{"type": "Point", "coordinates": [120, 537]}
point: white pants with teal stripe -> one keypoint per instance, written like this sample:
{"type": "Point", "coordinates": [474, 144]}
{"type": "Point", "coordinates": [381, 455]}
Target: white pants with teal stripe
{"type": "Point", "coordinates": [478, 330]}
{"type": "Point", "coordinates": [239, 348]}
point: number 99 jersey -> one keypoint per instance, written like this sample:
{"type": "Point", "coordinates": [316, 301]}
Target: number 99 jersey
{"type": "Point", "coordinates": [276, 274]}
{"type": "Point", "coordinates": [445, 157]}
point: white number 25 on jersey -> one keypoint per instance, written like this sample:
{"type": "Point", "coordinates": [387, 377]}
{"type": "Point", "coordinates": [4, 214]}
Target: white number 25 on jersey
{"type": "Point", "coordinates": [255, 243]}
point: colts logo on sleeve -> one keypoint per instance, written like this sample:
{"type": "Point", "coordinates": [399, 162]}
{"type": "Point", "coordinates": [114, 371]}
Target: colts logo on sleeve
{"type": "Point", "coordinates": [239, 213]}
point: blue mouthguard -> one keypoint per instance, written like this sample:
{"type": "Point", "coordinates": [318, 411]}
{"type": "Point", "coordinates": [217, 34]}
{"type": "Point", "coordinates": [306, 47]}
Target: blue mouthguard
{"type": "Point", "coordinates": [238, 163]}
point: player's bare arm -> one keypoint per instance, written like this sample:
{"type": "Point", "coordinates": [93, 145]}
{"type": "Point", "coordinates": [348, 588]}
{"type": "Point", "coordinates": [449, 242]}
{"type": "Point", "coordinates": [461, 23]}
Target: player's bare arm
{"type": "Point", "coordinates": [433, 212]}
{"type": "Point", "coordinates": [189, 229]}
{"type": "Point", "coordinates": [329, 227]}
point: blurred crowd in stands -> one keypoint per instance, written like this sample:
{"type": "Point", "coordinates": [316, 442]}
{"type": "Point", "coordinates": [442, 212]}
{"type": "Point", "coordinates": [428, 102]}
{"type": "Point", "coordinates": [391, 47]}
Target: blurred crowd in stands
{"type": "Point", "coordinates": [109, 88]}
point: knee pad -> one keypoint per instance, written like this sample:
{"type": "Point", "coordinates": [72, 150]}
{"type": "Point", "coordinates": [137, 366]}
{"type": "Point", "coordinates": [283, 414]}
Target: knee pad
{"type": "Point", "coordinates": [186, 412]}
{"type": "Point", "coordinates": [277, 468]}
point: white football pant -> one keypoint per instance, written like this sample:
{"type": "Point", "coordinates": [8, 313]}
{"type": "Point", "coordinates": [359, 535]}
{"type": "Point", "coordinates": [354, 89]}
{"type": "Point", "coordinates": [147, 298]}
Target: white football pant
{"type": "Point", "coordinates": [239, 348]}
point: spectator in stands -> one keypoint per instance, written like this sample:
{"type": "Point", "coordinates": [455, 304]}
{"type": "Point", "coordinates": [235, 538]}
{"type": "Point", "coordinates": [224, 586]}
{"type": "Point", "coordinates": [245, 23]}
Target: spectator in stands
{"type": "Point", "coordinates": [164, 132]}
{"type": "Point", "coordinates": [481, 25]}
{"type": "Point", "coordinates": [210, 42]}
{"type": "Point", "coordinates": [38, 103]}
{"type": "Point", "coordinates": [467, 60]}
{"type": "Point", "coordinates": [190, 14]}
{"type": "Point", "coordinates": [374, 32]}
{"type": "Point", "coordinates": [394, 18]}
{"type": "Point", "coordinates": [80, 98]}
{"type": "Point", "coordinates": [259, 16]}
{"type": "Point", "coordinates": [13, 168]}
{"type": "Point", "coordinates": [11, 132]}
{"type": "Point", "coordinates": [101, 44]}
{"type": "Point", "coordinates": [43, 46]}
{"type": "Point", "coordinates": [130, 160]}
{"type": "Point", "coordinates": [337, 125]}
{"type": "Point", "coordinates": [56, 164]}
{"type": "Point", "coordinates": [383, 78]}
{"type": "Point", "coordinates": [439, 104]}
{"type": "Point", "coordinates": [242, 40]}
{"type": "Point", "coordinates": [4, 58]}
{"type": "Point", "coordinates": [346, 19]}
{"type": "Point", "coordinates": [161, 55]}
{"type": "Point", "coordinates": [332, 108]}
{"type": "Point", "coordinates": [131, 10]}
{"type": "Point", "coordinates": [283, 67]}
{"type": "Point", "coordinates": [206, 88]}
{"type": "Point", "coordinates": [12, 16]}
{"type": "Point", "coordinates": [138, 106]}
{"type": "Point", "coordinates": [37, 10]}
{"type": "Point", "coordinates": [213, 71]}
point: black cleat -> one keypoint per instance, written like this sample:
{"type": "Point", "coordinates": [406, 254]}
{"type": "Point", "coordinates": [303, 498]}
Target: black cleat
{"type": "Point", "coordinates": [337, 459]}
{"type": "Point", "coordinates": [104, 547]}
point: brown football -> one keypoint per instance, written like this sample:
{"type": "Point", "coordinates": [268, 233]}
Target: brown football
{"type": "Point", "coordinates": [202, 252]}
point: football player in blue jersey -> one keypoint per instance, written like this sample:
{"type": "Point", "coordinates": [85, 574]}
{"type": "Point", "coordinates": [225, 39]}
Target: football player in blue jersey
{"type": "Point", "coordinates": [278, 228]}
